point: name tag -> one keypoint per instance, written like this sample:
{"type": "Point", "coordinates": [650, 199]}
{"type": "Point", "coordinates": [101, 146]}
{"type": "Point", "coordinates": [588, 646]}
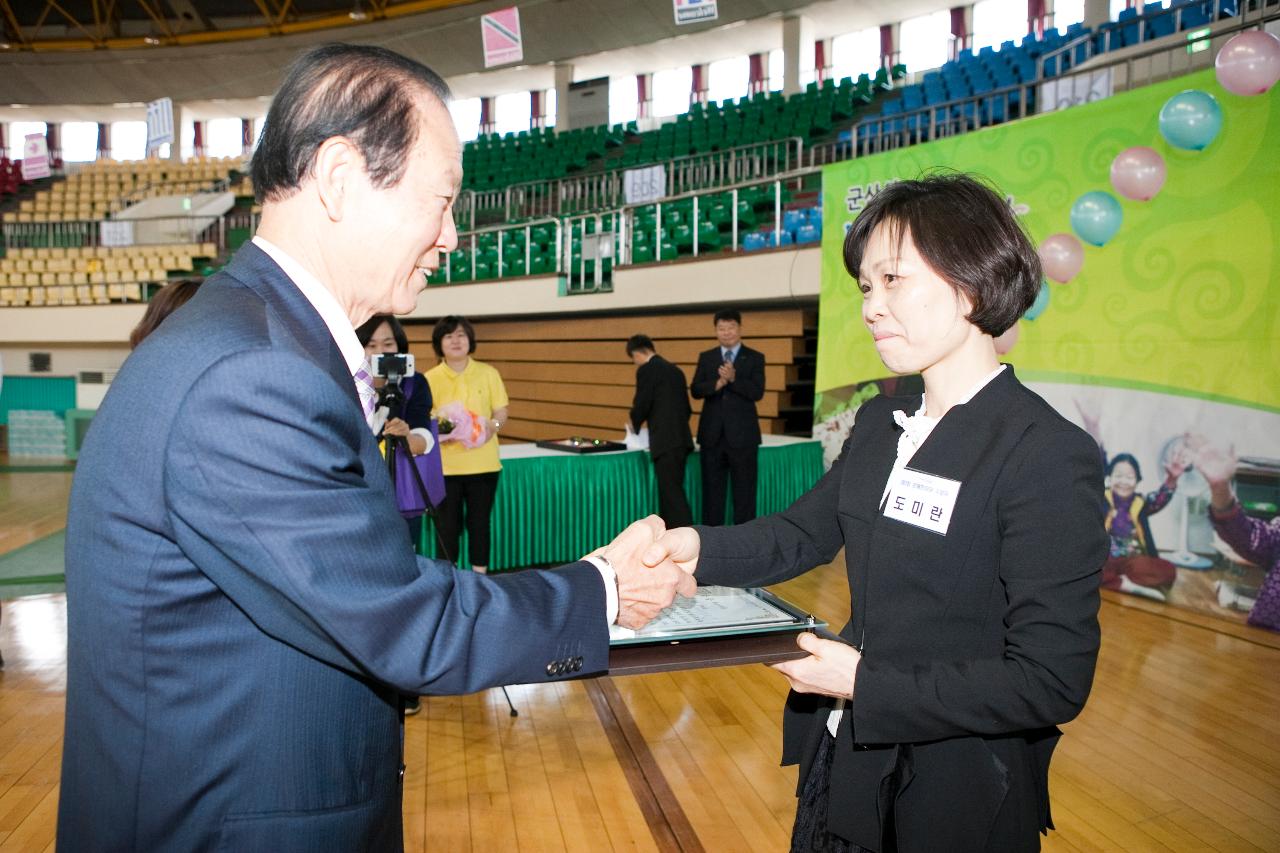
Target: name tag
{"type": "Point", "coordinates": [925, 500]}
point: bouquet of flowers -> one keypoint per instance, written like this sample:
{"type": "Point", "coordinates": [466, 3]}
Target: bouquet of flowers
{"type": "Point", "coordinates": [463, 425]}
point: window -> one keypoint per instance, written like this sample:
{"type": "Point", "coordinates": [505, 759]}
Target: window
{"type": "Point", "coordinates": [997, 21]}
{"type": "Point", "coordinates": [186, 138]}
{"type": "Point", "coordinates": [1118, 6]}
{"type": "Point", "coordinates": [18, 133]}
{"type": "Point", "coordinates": [513, 112]}
{"type": "Point", "coordinates": [549, 104]}
{"type": "Point", "coordinates": [671, 91]}
{"type": "Point", "coordinates": [222, 138]}
{"type": "Point", "coordinates": [776, 69]}
{"type": "Point", "coordinates": [79, 141]}
{"type": "Point", "coordinates": [924, 41]}
{"type": "Point", "coordinates": [466, 117]}
{"type": "Point", "coordinates": [857, 53]}
{"type": "Point", "coordinates": [622, 99]}
{"type": "Point", "coordinates": [128, 140]}
{"type": "Point", "coordinates": [728, 78]}
{"type": "Point", "coordinates": [1066, 13]}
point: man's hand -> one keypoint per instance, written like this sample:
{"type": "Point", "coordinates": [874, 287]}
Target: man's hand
{"type": "Point", "coordinates": [644, 590]}
{"type": "Point", "coordinates": [829, 670]}
{"type": "Point", "coordinates": [681, 546]}
{"type": "Point", "coordinates": [727, 372]}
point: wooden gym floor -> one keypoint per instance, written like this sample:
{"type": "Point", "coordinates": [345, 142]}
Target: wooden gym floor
{"type": "Point", "coordinates": [1178, 749]}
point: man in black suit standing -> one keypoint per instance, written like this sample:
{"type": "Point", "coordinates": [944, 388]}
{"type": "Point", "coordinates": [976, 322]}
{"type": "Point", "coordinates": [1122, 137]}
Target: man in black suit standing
{"type": "Point", "coordinates": [662, 400]}
{"type": "Point", "coordinates": [730, 379]}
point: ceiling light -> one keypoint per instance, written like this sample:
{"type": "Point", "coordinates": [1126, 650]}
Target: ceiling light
{"type": "Point", "coordinates": [151, 40]}
{"type": "Point", "coordinates": [357, 13]}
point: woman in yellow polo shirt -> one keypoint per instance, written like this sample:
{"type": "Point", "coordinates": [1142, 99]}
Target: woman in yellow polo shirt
{"type": "Point", "coordinates": [470, 473]}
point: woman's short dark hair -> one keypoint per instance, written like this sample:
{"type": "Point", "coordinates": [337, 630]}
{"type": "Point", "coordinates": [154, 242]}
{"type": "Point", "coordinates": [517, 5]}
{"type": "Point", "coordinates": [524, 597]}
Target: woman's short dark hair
{"type": "Point", "coordinates": [967, 233]}
{"type": "Point", "coordinates": [1125, 457]}
{"type": "Point", "coordinates": [364, 332]}
{"type": "Point", "coordinates": [447, 326]}
{"type": "Point", "coordinates": [163, 302]}
{"type": "Point", "coordinates": [635, 343]}
{"type": "Point", "coordinates": [362, 92]}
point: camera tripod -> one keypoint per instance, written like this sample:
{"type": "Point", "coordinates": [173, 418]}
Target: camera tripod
{"type": "Point", "coordinates": [392, 397]}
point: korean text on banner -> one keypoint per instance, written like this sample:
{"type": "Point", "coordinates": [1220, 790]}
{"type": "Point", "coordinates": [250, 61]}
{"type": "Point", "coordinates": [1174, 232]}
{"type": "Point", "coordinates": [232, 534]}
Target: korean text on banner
{"type": "Point", "coordinates": [500, 32]}
{"type": "Point", "coordinates": [695, 11]}
{"type": "Point", "coordinates": [35, 157]}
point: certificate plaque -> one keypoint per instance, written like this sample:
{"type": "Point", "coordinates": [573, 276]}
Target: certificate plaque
{"type": "Point", "coordinates": [720, 626]}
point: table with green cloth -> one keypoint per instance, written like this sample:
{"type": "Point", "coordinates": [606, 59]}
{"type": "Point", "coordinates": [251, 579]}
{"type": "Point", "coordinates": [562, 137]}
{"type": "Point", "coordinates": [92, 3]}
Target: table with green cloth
{"type": "Point", "coordinates": [552, 507]}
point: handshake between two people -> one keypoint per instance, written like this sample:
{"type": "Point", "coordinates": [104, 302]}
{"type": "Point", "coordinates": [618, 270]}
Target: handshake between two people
{"type": "Point", "coordinates": [653, 565]}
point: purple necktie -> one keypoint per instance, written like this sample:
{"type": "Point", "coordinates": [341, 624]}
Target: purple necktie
{"type": "Point", "coordinates": [368, 395]}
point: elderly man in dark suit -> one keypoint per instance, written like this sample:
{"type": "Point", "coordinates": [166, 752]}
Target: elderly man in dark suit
{"type": "Point", "coordinates": [244, 610]}
{"type": "Point", "coordinates": [729, 380]}
{"type": "Point", "coordinates": [662, 401]}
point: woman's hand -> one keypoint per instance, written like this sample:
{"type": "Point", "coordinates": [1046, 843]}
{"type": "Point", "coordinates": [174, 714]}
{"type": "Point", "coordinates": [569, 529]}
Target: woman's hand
{"type": "Point", "coordinates": [829, 670]}
{"type": "Point", "coordinates": [395, 426]}
{"type": "Point", "coordinates": [1218, 467]}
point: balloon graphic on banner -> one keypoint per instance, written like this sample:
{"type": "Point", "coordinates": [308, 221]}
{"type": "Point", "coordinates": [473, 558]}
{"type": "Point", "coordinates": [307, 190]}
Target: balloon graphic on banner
{"type": "Point", "coordinates": [1190, 120]}
{"type": "Point", "coordinates": [1249, 64]}
{"type": "Point", "coordinates": [1138, 173]}
{"type": "Point", "coordinates": [1096, 217]}
{"type": "Point", "coordinates": [1062, 256]}
{"type": "Point", "coordinates": [1005, 341]}
{"type": "Point", "coordinates": [1041, 303]}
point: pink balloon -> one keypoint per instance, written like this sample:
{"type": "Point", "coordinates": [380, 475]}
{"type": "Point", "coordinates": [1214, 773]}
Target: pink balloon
{"type": "Point", "coordinates": [1249, 64]}
{"type": "Point", "coordinates": [1062, 256]}
{"type": "Point", "coordinates": [1005, 342]}
{"type": "Point", "coordinates": [1138, 173]}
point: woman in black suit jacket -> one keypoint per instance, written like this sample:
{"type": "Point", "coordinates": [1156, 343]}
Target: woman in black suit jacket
{"type": "Point", "coordinates": [972, 523]}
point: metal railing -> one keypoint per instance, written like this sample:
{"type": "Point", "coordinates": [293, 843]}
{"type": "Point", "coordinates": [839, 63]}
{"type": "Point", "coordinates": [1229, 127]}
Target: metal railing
{"type": "Point", "coordinates": [605, 190]}
{"type": "Point", "coordinates": [626, 214]}
{"type": "Point", "coordinates": [108, 233]}
{"type": "Point", "coordinates": [469, 241]}
{"type": "Point", "coordinates": [874, 134]}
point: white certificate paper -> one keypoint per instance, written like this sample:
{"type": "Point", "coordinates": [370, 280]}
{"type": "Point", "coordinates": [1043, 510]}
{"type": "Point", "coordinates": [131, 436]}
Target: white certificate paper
{"type": "Point", "coordinates": [714, 607]}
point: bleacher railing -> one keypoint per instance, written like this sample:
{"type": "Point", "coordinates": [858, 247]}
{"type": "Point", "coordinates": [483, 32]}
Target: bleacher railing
{"type": "Point", "coordinates": [469, 242]}
{"type": "Point", "coordinates": [119, 232]}
{"type": "Point", "coordinates": [935, 121]}
{"type": "Point", "coordinates": [605, 190]}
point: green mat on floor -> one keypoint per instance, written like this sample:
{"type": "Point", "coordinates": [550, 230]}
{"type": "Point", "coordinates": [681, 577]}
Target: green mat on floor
{"type": "Point", "coordinates": [34, 569]}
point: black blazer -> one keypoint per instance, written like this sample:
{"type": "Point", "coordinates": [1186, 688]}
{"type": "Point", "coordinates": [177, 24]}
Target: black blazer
{"type": "Point", "coordinates": [662, 399]}
{"type": "Point", "coordinates": [729, 415]}
{"type": "Point", "coordinates": [976, 644]}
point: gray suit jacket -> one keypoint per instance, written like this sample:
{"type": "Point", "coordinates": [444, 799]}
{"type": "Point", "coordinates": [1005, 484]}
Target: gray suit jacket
{"type": "Point", "coordinates": [244, 609]}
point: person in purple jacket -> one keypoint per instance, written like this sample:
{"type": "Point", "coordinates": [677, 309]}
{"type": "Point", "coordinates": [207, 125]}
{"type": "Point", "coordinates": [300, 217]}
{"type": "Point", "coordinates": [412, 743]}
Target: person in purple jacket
{"type": "Point", "coordinates": [1253, 539]}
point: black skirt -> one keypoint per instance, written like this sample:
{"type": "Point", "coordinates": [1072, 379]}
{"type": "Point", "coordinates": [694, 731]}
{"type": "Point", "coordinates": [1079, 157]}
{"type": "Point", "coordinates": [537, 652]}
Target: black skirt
{"type": "Point", "coordinates": [810, 833]}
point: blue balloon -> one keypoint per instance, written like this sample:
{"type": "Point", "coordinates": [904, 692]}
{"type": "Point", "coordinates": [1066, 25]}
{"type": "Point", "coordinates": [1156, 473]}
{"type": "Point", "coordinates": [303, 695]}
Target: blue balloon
{"type": "Point", "coordinates": [1041, 303]}
{"type": "Point", "coordinates": [1190, 120]}
{"type": "Point", "coordinates": [1095, 217]}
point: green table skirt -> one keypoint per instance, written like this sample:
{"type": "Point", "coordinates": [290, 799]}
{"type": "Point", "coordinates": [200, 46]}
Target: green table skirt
{"type": "Point", "coordinates": [553, 509]}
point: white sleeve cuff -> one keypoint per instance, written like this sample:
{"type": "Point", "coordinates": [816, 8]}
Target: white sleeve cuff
{"type": "Point", "coordinates": [610, 578]}
{"type": "Point", "coordinates": [425, 435]}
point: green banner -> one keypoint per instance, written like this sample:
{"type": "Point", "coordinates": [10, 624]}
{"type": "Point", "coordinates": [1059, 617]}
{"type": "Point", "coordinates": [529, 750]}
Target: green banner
{"type": "Point", "coordinates": [1165, 345]}
{"type": "Point", "coordinates": [1185, 299]}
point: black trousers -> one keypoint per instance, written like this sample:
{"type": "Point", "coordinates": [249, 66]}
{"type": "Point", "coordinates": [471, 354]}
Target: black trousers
{"type": "Point", "coordinates": [673, 505]}
{"type": "Point", "coordinates": [720, 462]}
{"type": "Point", "coordinates": [475, 493]}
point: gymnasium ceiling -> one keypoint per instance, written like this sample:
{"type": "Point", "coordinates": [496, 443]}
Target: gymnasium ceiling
{"type": "Point", "coordinates": [96, 53]}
